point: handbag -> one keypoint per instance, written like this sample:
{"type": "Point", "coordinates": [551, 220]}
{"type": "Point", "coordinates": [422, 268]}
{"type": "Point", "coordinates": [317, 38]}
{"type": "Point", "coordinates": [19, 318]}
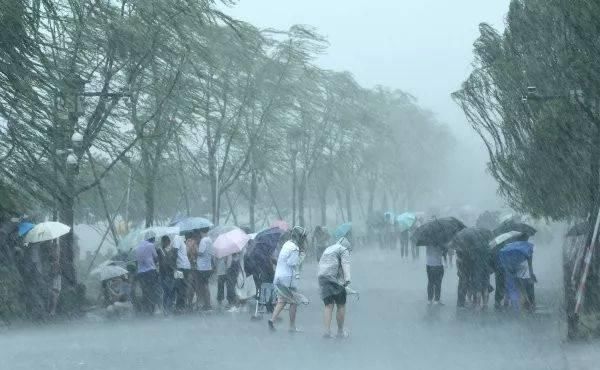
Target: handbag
{"type": "Point", "coordinates": [245, 287]}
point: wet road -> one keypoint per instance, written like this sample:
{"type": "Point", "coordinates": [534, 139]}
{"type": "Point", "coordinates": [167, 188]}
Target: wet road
{"type": "Point", "coordinates": [391, 327]}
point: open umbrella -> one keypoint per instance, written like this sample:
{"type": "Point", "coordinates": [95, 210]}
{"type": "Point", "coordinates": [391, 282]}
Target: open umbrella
{"type": "Point", "coordinates": [25, 227]}
{"type": "Point", "coordinates": [342, 230]}
{"type": "Point", "coordinates": [109, 271]}
{"type": "Point", "coordinates": [193, 223]}
{"type": "Point", "coordinates": [406, 220]}
{"type": "Point", "coordinates": [46, 231]}
{"type": "Point", "coordinates": [512, 225]}
{"type": "Point", "coordinates": [230, 242]}
{"type": "Point", "coordinates": [488, 220]}
{"type": "Point", "coordinates": [281, 225]}
{"type": "Point", "coordinates": [437, 232]}
{"type": "Point", "coordinates": [471, 239]}
{"type": "Point", "coordinates": [219, 230]}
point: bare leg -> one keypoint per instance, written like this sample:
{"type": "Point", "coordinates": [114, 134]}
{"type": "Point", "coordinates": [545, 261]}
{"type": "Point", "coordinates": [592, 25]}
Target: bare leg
{"type": "Point", "coordinates": [341, 317]}
{"type": "Point", "coordinates": [327, 318]}
{"type": "Point", "coordinates": [278, 308]}
{"type": "Point", "coordinates": [293, 309]}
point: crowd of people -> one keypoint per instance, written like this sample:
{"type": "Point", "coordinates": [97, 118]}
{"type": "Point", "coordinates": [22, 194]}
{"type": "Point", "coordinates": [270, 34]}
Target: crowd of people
{"type": "Point", "coordinates": [172, 274]}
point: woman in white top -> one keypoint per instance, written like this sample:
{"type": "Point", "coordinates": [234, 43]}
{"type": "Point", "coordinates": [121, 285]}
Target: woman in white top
{"type": "Point", "coordinates": [287, 274]}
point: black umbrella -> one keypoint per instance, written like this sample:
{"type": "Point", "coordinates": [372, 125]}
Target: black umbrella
{"type": "Point", "coordinates": [437, 232]}
{"type": "Point", "coordinates": [511, 225]}
{"type": "Point", "coordinates": [472, 239]}
{"type": "Point", "coordinates": [582, 228]}
{"type": "Point", "coordinates": [488, 220]}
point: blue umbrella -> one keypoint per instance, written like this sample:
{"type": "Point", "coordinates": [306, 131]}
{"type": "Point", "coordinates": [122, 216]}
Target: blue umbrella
{"type": "Point", "coordinates": [406, 220]}
{"type": "Point", "coordinates": [24, 228]}
{"type": "Point", "coordinates": [193, 223]}
{"type": "Point", "coordinates": [514, 254]}
{"type": "Point", "coordinates": [342, 230]}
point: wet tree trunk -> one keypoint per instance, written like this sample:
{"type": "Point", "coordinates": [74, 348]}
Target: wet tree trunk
{"type": "Point", "coordinates": [252, 200]}
{"type": "Point", "coordinates": [323, 205]}
{"type": "Point", "coordinates": [67, 252]}
{"type": "Point", "coordinates": [301, 199]}
{"type": "Point", "coordinates": [349, 203]}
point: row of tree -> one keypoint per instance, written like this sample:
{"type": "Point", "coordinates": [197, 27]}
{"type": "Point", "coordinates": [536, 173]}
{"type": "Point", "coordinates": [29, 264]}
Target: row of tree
{"type": "Point", "coordinates": [151, 110]}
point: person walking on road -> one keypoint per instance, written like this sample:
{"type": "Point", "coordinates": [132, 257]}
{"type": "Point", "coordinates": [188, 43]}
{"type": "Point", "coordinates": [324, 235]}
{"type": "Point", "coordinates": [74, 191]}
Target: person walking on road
{"type": "Point", "coordinates": [287, 274]}
{"type": "Point", "coordinates": [435, 273]}
{"type": "Point", "coordinates": [334, 277]}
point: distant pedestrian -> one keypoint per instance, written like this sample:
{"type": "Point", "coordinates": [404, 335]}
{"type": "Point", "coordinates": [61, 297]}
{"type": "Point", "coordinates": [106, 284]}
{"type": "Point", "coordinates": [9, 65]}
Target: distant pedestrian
{"type": "Point", "coordinates": [147, 274]}
{"type": "Point", "coordinates": [183, 275]}
{"type": "Point", "coordinates": [287, 274]}
{"type": "Point", "coordinates": [167, 263]}
{"type": "Point", "coordinates": [227, 271]}
{"type": "Point", "coordinates": [334, 277]}
{"type": "Point", "coordinates": [435, 273]}
{"type": "Point", "coordinates": [204, 265]}
{"type": "Point", "coordinates": [404, 243]}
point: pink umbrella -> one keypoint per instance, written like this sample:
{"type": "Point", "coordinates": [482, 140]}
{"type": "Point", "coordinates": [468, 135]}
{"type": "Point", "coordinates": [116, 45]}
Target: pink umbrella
{"type": "Point", "coordinates": [281, 225]}
{"type": "Point", "coordinates": [230, 242]}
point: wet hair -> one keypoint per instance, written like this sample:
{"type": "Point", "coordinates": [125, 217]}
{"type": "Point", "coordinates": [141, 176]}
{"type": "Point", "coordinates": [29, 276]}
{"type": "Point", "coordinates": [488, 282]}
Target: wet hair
{"type": "Point", "coordinates": [165, 238]}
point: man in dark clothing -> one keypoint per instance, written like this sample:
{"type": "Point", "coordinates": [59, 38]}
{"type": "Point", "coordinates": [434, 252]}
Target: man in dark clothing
{"type": "Point", "coordinates": [167, 264]}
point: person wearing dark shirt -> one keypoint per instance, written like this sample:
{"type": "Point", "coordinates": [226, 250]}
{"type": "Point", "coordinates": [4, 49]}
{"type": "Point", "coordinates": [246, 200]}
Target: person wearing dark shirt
{"type": "Point", "coordinates": [167, 264]}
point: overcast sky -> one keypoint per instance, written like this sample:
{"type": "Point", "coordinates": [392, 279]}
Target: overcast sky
{"type": "Point", "coordinates": [421, 46]}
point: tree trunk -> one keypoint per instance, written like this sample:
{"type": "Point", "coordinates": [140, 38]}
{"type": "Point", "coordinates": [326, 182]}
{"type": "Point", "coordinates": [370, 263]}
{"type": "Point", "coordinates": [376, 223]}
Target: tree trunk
{"type": "Point", "coordinates": [149, 185]}
{"type": "Point", "coordinates": [371, 206]}
{"type": "Point", "coordinates": [349, 203]}
{"type": "Point", "coordinates": [294, 186]}
{"type": "Point", "coordinates": [323, 205]}
{"type": "Point", "coordinates": [67, 250]}
{"type": "Point", "coordinates": [301, 198]}
{"type": "Point", "coordinates": [214, 196]}
{"type": "Point", "coordinates": [252, 200]}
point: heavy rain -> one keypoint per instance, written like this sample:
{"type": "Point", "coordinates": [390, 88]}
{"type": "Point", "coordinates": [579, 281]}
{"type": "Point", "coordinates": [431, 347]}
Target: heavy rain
{"type": "Point", "coordinates": [270, 184]}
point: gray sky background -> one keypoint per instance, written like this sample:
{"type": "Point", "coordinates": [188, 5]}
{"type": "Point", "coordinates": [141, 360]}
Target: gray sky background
{"type": "Point", "coordinates": [423, 47]}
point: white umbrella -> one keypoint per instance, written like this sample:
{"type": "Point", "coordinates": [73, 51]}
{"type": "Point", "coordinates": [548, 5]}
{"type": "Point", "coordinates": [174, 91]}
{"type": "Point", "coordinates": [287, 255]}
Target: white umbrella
{"type": "Point", "coordinates": [109, 271]}
{"type": "Point", "coordinates": [504, 237]}
{"type": "Point", "coordinates": [46, 231]}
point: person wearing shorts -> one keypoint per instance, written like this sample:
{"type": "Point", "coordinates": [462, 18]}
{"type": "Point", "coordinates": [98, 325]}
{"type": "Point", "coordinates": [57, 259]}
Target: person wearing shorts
{"type": "Point", "coordinates": [287, 274]}
{"type": "Point", "coordinates": [334, 277]}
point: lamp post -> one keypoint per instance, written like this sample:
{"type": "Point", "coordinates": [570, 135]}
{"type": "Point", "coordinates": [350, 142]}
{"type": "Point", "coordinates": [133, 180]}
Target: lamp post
{"type": "Point", "coordinates": [294, 147]}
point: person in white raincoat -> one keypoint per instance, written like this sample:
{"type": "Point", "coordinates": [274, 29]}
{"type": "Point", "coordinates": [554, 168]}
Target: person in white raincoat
{"type": "Point", "coordinates": [334, 277]}
{"type": "Point", "coordinates": [287, 274]}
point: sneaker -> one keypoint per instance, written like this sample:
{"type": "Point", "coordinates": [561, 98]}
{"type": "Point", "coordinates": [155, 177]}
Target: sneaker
{"type": "Point", "coordinates": [295, 330]}
{"type": "Point", "coordinates": [439, 303]}
{"type": "Point", "coordinates": [234, 309]}
{"type": "Point", "coordinates": [429, 302]}
{"type": "Point", "coordinates": [327, 336]}
{"type": "Point", "coordinates": [271, 325]}
{"type": "Point", "coordinates": [343, 335]}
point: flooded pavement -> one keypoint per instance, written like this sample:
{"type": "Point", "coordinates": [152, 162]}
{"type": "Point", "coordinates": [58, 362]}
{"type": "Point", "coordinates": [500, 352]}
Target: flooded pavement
{"type": "Point", "coordinates": [390, 326]}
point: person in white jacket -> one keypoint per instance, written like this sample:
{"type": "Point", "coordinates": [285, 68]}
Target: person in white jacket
{"type": "Point", "coordinates": [287, 274]}
{"type": "Point", "coordinates": [334, 277]}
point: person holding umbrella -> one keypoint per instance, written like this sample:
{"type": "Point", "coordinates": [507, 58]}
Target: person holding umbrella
{"type": "Point", "coordinates": [334, 277]}
{"type": "Point", "coordinates": [434, 236]}
{"type": "Point", "coordinates": [287, 274]}
{"type": "Point", "coordinates": [167, 263]}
